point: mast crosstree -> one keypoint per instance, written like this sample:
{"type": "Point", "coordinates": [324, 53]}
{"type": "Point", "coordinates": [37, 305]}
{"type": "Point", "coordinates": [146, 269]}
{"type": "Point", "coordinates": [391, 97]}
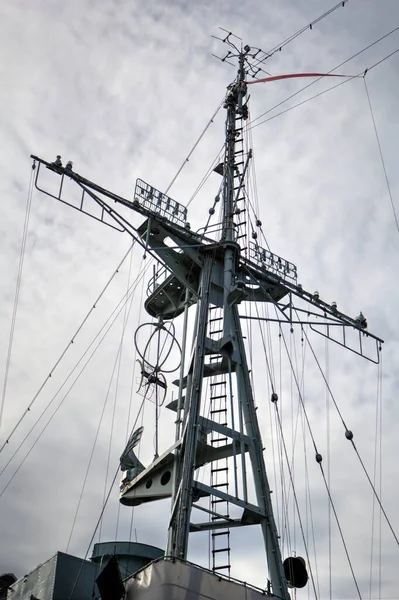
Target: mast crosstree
{"type": "Point", "coordinates": [212, 275]}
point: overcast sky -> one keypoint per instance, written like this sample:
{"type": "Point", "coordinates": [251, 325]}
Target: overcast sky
{"type": "Point", "coordinates": [124, 89]}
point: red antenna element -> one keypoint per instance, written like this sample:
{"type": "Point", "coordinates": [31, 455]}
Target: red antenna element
{"type": "Point", "coordinates": [294, 75]}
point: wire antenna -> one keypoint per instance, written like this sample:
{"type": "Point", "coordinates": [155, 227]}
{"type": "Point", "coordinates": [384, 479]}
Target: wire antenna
{"type": "Point", "coordinates": [256, 56]}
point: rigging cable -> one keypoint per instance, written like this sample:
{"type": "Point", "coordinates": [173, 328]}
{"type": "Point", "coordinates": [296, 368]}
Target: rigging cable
{"type": "Point", "coordinates": [349, 436]}
{"type": "Point", "coordinates": [321, 469]}
{"type": "Point", "coordinates": [380, 486]}
{"type": "Point", "coordinates": [215, 162]}
{"type": "Point", "coordinates": [376, 432]}
{"type": "Point", "coordinates": [313, 442]}
{"type": "Point", "coordinates": [381, 154]}
{"type": "Point", "coordinates": [318, 79]}
{"type": "Point", "coordinates": [117, 367]}
{"type": "Point", "coordinates": [279, 420]}
{"type": "Point", "coordinates": [307, 482]}
{"type": "Point", "coordinates": [328, 443]}
{"type": "Point", "coordinates": [295, 498]}
{"type": "Point", "coordinates": [100, 517]}
{"type": "Point", "coordinates": [91, 455]}
{"type": "Point", "coordinates": [128, 428]}
{"type": "Point", "coordinates": [63, 353]}
{"type": "Point", "coordinates": [189, 155]}
{"type": "Point", "coordinates": [292, 37]}
{"type": "Point", "coordinates": [361, 73]}
{"type": "Point", "coordinates": [119, 310]}
{"type": "Point", "coordinates": [17, 291]}
{"type": "Point", "coordinates": [87, 471]}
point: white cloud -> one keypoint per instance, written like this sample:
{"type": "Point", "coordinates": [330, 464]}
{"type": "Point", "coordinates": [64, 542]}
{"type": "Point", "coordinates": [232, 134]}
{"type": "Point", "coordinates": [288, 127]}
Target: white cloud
{"type": "Point", "coordinates": [124, 91]}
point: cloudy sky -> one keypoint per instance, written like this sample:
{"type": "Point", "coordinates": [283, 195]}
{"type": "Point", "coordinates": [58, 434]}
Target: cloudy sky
{"type": "Point", "coordinates": [124, 89]}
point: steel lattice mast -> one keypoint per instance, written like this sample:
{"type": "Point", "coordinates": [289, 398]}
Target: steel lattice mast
{"type": "Point", "coordinates": [233, 355]}
{"type": "Point", "coordinates": [197, 270]}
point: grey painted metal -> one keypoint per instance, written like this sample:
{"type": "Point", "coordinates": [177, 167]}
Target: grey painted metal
{"type": "Point", "coordinates": [62, 577]}
{"type": "Point", "coordinates": [205, 272]}
{"type": "Point", "coordinates": [212, 268]}
{"type": "Point", "coordinates": [262, 488]}
{"type": "Point", "coordinates": [180, 521]}
{"type": "Point", "coordinates": [182, 581]}
{"type": "Point", "coordinates": [131, 556]}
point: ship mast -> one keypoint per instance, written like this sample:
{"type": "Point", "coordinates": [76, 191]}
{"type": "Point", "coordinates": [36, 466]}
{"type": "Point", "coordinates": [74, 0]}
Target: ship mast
{"type": "Point", "coordinates": [233, 361]}
{"type": "Point", "coordinates": [209, 275]}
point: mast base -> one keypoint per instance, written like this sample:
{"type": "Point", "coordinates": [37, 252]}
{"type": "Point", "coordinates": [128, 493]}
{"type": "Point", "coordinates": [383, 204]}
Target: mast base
{"type": "Point", "coordinates": [172, 578]}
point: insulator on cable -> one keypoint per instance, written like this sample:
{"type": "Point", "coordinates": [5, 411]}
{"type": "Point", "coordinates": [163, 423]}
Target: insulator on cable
{"type": "Point", "coordinates": [237, 211]}
{"type": "Point", "coordinates": [316, 295]}
{"type": "Point", "coordinates": [254, 235]}
{"type": "Point", "coordinates": [187, 225]}
{"type": "Point", "coordinates": [319, 458]}
{"type": "Point", "coordinates": [69, 166]}
{"type": "Point", "coordinates": [212, 211]}
{"type": "Point", "coordinates": [57, 161]}
{"type": "Point", "coordinates": [274, 397]}
{"type": "Point", "coordinates": [258, 223]}
{"type": "Point", "coordinates": [348, 434]}
{"type": "Point", "coordinates": [333, 305]}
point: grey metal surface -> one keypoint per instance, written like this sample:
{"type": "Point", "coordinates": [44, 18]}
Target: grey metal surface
{"type": "Point", "coordinates": [62, 577]}
{"type": "Point", "coordinates": [75, 578]}
{"type": "Point", "coordinates": [38, 583]}
{"type": "Point", "coordinates": [177, 580]}
{"type": "Point", "coordinates": [131, 556]}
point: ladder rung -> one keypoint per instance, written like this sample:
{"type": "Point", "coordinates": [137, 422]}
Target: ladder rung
{"type": "Point", "coordinates": [217, 398]}
{"type": "Point", "coordinates": [219, 470]}
{"type": "Point", "coordinates": [215, 319]}
{"type": "Point", "coordinates": [219, 485]}
{"type": "Point", "coordinates": [222, 439]}
{"type": "Point", "coordinates": [218, 533]}
{"type": "Point", "coordinates": [218, 383]}
{"type": "Point", "coordinates": [218, 501]}
{"type": "Point", "coordinates": [220, 550]}
{"type": "Point", "coordinates": [221, 567]}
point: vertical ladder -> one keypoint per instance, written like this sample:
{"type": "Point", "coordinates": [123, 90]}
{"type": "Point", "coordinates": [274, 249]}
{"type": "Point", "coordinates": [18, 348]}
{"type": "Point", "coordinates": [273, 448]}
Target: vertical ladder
{"type": "Point", "coordinates": [219, 477]}
{"type": "Point", "coordinates": [240, 208]}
